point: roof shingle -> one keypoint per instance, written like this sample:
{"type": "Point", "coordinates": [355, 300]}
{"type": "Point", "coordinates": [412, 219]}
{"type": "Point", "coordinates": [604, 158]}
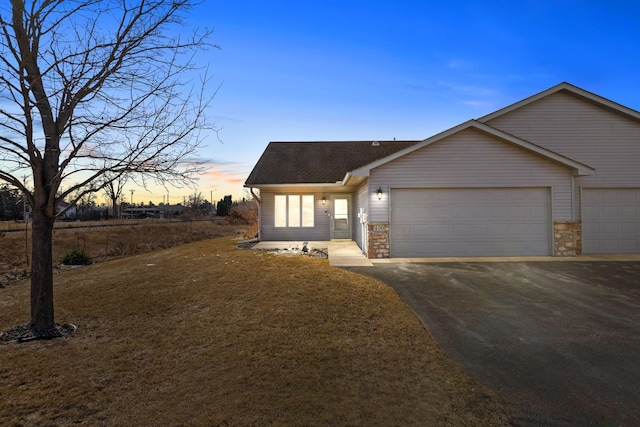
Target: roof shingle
{"type": "Point", "coordinates": [317, 162]}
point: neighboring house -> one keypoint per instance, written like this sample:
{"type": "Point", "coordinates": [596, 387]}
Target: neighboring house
{"type": "Point", "coordinates": [69, 211]}
{"type": "Point", "coordinates": [556, 174]}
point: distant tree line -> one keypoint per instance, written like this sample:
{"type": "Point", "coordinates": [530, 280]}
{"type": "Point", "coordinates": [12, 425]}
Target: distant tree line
{"type": "Point", "coordinates": [223, 208]}
{"type": "Point", "coordinates": [11, 204]}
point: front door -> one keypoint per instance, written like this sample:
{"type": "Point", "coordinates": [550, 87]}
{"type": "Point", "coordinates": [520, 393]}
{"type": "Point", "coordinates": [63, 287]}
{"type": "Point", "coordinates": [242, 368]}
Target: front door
{"type": "Point", "coordinates": [341, 218]}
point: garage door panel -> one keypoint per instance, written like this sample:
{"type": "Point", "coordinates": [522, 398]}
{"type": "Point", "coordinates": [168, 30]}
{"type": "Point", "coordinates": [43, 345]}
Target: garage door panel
{"type": "Point", "coordinates": [611, 220]}
{"type": "Point", "coordinates": [497, 229]}
{"type": "Point", "coordinates": [538, 229]}
{"type": "Point", "coordinates": [539, 211]}
{"type": "Point", "coordinates": [630, 212]}
{"type": "Point", "coordinates": [628, 246]}
{"type": "Point", "coordinates": [480, 211]}
{"type": "Point", "coordinates": [629, 228]}
{"type": "Point", "coordinates": [470, 222]}
{"type": "Point", "coordinates": [476, 230]}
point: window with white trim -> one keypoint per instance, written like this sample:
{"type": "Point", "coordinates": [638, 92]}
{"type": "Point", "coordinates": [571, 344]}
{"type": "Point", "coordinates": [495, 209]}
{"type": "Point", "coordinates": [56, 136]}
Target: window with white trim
{"type": "Point", "coordinates": [293, 210]}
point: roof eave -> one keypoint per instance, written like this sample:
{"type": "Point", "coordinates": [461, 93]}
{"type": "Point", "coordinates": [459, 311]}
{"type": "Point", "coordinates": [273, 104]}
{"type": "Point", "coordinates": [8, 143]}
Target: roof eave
{"type": "Point", "coordinates": [366, 169]}
{"type": "Point", "coordinates": [297, 184]}
{"type": "Point", "coordinates": [597, 99]}
{"type": "Point", "coordinates": [579, 168]}
{"type": "Point", "coordinates": [346, 179]}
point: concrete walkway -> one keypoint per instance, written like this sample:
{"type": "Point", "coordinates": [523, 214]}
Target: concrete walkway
{"type": "Point", "coordinates": [342, 253]}
{"type": "Point", "coordinates": [617, 257]}
{"type": "Point", "coordinates": [347, 254]}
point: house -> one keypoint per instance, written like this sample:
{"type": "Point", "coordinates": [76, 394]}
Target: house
{"type": "Point", "coordinates": [557, 173]}
{"type": "Point", "coordinates": [66, 212]}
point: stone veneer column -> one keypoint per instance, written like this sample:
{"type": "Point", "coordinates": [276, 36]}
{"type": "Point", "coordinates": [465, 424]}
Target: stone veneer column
{"type": "Point", "coordinates": [378, 241]}
{"type": "Point", "coordinates": [567, 238]}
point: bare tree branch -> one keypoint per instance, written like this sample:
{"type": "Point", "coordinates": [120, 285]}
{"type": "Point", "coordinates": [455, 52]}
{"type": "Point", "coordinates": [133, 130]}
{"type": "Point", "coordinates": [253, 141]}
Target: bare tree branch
{"type": "Point", "coordinates": [92, 91]}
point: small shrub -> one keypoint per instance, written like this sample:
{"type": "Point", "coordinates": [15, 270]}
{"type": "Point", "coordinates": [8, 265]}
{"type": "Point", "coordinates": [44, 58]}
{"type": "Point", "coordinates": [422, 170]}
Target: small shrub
{"type": "Point", "coordinates": [76, 257]}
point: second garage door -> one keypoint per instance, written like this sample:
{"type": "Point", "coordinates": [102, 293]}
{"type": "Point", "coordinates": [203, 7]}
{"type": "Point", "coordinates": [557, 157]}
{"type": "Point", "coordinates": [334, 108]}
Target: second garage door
{"type": "Point", "coordinates": [470, 222]}
{"type": "Point", "coordinates": [611, 220]}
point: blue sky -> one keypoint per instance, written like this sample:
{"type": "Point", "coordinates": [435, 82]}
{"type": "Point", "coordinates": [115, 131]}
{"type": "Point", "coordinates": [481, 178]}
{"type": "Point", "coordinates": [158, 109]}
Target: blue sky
{"type": "Point", "coordinates": [365, 70]}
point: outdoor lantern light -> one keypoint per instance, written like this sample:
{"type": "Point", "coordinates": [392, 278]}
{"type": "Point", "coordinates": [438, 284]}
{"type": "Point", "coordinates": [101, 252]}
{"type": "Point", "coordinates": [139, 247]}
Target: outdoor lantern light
{"type": "Point", "coordinates": [379, 193]}
{"type": "Point", "coordinates": [324, 199]}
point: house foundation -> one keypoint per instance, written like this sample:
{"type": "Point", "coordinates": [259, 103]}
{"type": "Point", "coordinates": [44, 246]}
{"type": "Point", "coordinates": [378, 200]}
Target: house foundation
{"type": "Point", "coordinates": [567, 238]}
{"type": "Point", "coordinates": [378, 241]}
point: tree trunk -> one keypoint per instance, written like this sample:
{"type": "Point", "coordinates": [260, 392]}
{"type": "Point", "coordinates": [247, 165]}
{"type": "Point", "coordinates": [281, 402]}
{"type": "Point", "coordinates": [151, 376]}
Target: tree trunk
{"type": "Point", "coordinates": [42, 320]}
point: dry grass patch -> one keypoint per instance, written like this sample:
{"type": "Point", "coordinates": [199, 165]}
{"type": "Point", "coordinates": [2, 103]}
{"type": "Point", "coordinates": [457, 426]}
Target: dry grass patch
{"type": "Point", "coordinates": [205, 334]}
{"type": "Point", "coordinates": [103, 240]}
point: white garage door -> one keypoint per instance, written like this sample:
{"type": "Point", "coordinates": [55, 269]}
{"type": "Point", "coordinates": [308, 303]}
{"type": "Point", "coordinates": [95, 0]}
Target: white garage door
{"type": "Point", "coordinates": [470, 222]}
{"type": "Point", "coordinates": [611, 220]}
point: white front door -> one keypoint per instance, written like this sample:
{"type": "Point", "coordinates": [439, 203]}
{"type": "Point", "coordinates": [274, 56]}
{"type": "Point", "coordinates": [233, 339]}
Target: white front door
{"type": "Point", "coordinates": [341, 217]}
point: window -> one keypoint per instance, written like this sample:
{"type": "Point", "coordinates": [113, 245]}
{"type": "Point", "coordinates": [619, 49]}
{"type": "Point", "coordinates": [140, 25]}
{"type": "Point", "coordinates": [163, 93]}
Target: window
{"type": "Point", "coordinates": [280, 219]}
{"type": "Point", "coordinates": [294, 211]}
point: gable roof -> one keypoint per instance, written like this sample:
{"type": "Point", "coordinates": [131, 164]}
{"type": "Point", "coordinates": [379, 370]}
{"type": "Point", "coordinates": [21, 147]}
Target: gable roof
{"type": "Point", "coordinates": [334, 162]}
{"type": "Point", "coordinates": [580, 168]}
{"type": "Point", "coordinates": [317, 162]}
{"type": "Point", "coordinates": [566, 87]}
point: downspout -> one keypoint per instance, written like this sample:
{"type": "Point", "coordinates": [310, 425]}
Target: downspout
{"type": "Point", "coordinates": [255, 196]}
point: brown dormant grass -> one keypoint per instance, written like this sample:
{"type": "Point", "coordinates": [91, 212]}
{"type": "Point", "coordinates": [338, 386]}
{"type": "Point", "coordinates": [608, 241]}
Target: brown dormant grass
{"type": "Point", "coordinates": [207, 334]}
{"type": "Point", "coordinates": [103, 240]}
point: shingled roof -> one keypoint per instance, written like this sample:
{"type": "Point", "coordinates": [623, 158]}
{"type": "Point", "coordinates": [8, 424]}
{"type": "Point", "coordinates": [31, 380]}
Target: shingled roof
{"type": "Point", "coordinates": [317, 162]}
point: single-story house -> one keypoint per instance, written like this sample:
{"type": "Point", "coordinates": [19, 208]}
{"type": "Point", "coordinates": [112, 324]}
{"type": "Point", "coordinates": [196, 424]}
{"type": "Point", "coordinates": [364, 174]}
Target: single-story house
{"type": "Point", "coordinates": [557, 173]}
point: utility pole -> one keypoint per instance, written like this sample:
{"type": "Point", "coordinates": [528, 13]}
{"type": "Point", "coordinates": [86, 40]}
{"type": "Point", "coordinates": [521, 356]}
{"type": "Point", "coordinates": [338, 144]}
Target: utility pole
{"type": "Point", "coordinates": [131, 208]}
{"type": "Point", "coordinates": [211, 200]}
{"type": "Point", "coordinates": [24, 216]}
{"type": "Point", "coordinates": [24, 201]}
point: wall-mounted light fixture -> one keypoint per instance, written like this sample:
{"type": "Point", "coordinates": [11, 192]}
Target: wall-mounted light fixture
{"type": "Point", "coordinates": [324, 200]}
{"type": "Point", "coordinates": [379, 193]}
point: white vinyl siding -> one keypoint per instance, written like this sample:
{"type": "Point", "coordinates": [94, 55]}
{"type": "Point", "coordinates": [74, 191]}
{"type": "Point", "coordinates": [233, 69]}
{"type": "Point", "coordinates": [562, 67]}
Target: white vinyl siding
{"type": "Point", "coordinates": [470, 159]}
{"type": "Point", "coordinates": [361, 205]}
{"type": "Point", "coordinates": [470, 222]}
{"type": "Point", "coordinates": [603, 139]}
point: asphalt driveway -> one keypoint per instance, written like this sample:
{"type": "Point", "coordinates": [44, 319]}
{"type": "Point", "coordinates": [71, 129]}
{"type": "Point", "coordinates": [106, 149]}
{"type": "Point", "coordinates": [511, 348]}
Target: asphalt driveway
{"type": "Point", "coordinates": [558, 341]}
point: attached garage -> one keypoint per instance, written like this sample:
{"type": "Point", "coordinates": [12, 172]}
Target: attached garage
{"type": "Point", "coordinates": [470, 222]}
{"type": "Point", "coordinates": [610, 220]}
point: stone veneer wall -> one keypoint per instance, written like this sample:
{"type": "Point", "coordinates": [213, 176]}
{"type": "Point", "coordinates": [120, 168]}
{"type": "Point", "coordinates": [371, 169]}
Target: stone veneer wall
{"type": "Point", "coordinates": [567, 238]}
{"type": "Point", "coordinates": [378, 241]}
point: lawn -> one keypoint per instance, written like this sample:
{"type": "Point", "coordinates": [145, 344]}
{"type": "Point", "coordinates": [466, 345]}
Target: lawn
{"type": "Point", "coordinates": [206, 334]}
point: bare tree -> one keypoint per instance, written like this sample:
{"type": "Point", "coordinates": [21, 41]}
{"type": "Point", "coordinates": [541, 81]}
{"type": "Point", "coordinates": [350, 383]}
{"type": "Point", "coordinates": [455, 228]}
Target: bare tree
{"type": "Point", "coordinates": [114, 188]}
{"type": "Point", "coordinates": [91, 90]}
{"type": "Point", "coordinates": [194, 206]}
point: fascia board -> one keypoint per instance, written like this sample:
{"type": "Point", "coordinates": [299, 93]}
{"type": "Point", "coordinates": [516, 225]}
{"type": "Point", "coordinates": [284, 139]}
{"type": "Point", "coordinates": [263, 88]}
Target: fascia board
{"type": "Point", "coordinates": [315, 184]}
{"type": "Point", "coordinates": [581, 168]}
